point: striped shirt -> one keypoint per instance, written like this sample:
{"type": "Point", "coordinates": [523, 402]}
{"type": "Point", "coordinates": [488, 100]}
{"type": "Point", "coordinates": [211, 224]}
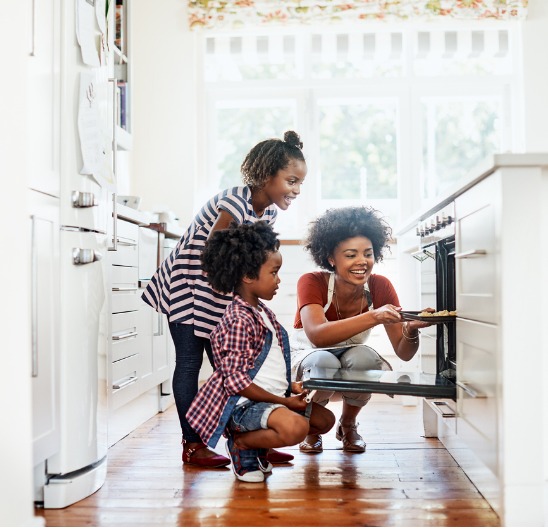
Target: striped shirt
{"type": "Point", "coordinates": [179, 288]}
{"type": "Point", "coordinates": [240, 344]}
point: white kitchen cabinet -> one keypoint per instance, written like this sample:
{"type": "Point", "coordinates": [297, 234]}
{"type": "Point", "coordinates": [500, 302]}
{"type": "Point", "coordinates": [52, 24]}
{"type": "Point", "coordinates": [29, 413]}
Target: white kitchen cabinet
{"type": "Point", "coordinates": [44, 286]}
{"type": "Point", "coordinates": [43, 98]}
{"type": "Point", "coordinates": [501, 345]}
{"type": "Point", "coordinates": [140, 361]}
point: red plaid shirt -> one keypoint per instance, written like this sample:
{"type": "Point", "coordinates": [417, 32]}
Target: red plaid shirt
{"type": "Point", "coordinates": [238, 344]}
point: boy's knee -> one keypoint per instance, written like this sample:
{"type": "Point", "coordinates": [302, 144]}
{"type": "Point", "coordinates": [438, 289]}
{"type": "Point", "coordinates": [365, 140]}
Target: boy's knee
{"type": "Point", "coordinates": [296, 431]}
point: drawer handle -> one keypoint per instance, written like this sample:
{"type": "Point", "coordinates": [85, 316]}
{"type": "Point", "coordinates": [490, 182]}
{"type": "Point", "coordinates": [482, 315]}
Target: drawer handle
{"type": "Point", "coordinates": [125, 383]}
{"type": "Point", "coordinates": [470, 253]}
{"type": "Point", "coordinates": [441, 408]}
{"type": "Point", "coordinates": [124, 289]}
{"type": "Point", "coordinates": [125, 336]}
{"type": "Point", "coordinates": [474, 393]}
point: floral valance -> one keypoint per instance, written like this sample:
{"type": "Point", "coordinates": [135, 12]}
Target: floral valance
{"type": "Point", "coordinates": [231, 14]}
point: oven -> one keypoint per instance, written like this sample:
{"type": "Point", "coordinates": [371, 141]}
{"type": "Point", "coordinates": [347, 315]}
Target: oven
{"type": "Point", "coordinates": [437, 376]}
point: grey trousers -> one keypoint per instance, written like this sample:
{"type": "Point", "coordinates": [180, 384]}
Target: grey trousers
{"type": "Point", "coordinates": [359, 357]}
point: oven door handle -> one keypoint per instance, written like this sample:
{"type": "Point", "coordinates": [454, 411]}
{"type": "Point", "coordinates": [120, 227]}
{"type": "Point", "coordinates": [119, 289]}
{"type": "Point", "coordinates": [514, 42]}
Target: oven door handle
{"type": "Point", "coordinates": [470, 253]}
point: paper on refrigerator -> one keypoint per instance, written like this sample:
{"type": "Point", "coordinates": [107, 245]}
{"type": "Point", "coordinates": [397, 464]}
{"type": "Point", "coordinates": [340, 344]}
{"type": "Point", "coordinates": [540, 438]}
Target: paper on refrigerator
{"type": "Point", "coordinates": [93, 126]}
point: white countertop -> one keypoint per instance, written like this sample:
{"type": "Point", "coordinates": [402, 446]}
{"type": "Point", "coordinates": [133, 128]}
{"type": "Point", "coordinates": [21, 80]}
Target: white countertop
{"type": "Point", "coordinates": [484, 169]}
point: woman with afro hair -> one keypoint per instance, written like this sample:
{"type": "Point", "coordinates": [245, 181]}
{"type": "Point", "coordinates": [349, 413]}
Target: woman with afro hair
{"type": "Point", "coordinates": [338, 307]}
{"type": "Point", "coordinates": [250, 396]}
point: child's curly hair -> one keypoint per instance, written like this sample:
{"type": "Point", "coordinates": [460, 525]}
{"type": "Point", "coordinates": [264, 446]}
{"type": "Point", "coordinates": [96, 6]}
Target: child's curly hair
{"type": "Point", "coordinates": [270, 156]}
{"type": "Point", "coordinates": [337, 225]}
{"type": "Point", "coordinates": [237, 252]}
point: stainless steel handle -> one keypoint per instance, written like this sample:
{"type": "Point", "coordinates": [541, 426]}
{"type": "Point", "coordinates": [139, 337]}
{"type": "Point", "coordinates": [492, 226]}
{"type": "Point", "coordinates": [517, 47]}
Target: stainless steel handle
{"type": "Point", "coordinates": [114, 82]}
{"type": "Point", "coordinates": [125, 336]}
{"type": "Point", "coordinates": [422, 255]}
{"type": "Point", "coordinates": [469, 390]}
{"type": "Point", "coordinates": [82, 256]}
{"type": "Point", "coordinates": [127, 382]}
{"type": "Point", "coordinates": [470, 253]}
{"type": "Point", "coordinates": [439, 408]}
{"type": "Point", "coordinates": [160, 325]}
{"type": "Point", "coordinates": [124, 289]}
{"type": "Point", "coordinates": [34, 299]}
{"type": "Point", "coordinates": [33, 30]}
{"type": "Point", "coordinates": [114, 246]}
{"type": "Point", "coordinates": [83, 199]}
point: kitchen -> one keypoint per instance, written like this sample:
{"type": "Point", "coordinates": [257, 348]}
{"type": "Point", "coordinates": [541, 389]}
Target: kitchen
{"type": "Point", "coordinates": [162, 68]}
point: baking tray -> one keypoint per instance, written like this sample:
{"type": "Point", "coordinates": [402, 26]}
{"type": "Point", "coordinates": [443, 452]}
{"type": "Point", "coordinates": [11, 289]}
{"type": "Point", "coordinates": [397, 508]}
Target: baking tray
{"type": "Point", "coordinates": [414, 315]}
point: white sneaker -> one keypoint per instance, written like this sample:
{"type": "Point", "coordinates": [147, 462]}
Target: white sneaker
{"type": "Point", "coordinates": [249, 475]}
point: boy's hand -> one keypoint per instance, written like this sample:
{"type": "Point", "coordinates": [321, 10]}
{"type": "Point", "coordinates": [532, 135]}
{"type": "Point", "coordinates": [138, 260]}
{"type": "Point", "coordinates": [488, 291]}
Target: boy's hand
{"type": "Point", "coordinates": [297, 402]}
{"type": "Point", "coordinates": [297, 387]}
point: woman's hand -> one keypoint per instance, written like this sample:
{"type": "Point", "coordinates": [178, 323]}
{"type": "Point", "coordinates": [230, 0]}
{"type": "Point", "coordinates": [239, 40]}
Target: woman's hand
{"type": "Point", "coordinates": [387, 314]}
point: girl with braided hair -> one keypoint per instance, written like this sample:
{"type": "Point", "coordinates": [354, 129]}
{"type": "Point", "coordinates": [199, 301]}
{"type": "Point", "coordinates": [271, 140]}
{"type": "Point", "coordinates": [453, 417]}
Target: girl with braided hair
{"type": "Point", "coordinates": [273, 172]}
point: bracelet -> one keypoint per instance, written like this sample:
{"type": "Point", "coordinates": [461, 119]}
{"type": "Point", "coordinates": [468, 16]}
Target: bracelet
{"type": "Point", "coordinates": [409, 338]}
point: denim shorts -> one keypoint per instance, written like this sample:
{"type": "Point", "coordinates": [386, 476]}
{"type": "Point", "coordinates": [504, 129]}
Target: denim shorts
{"type": "Point", "coordinates": [251, 415]}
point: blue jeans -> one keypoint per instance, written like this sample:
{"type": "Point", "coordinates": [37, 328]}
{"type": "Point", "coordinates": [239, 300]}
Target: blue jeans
{"type": "Point", "coordinates": [189, 355]}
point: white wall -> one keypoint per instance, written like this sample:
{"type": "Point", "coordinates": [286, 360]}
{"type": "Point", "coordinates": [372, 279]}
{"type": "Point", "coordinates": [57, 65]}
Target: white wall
{"type": "Point", "coordinates": [163, 160]}
{"type": "Point", "coordinates": [16, 488]}
{"type": "Point", "coordinates": [535, 77]}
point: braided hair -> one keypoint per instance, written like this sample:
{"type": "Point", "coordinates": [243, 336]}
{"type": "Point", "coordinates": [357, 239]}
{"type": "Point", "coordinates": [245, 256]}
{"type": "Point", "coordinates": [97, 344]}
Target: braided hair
{"type": "Point", "coordinates": [237, 252]}
{"type": "Point", "coordinates": [270, 156]}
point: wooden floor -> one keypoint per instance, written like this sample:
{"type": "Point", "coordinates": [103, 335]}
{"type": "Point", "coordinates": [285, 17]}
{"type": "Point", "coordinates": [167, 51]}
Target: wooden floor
{"type": "Point", "coordinates": [402, 480]}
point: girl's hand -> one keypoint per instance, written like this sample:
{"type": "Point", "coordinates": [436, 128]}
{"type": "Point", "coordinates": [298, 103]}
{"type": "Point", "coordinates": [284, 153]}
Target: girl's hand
{"type": "Point", "coordinates": [297, 387]}
{"type": "Point", "coordinates": [387, 314]}
{"type": "Point", "coordinates": [297, 402]}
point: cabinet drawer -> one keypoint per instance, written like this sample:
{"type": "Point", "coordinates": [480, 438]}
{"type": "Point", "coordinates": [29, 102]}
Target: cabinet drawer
{"type": "Point", "coordinates": [127, 254]}
{"type": "Point", "coordinates": [476, 254]}
{"type": "Point", "coordinates": [477, 375]}
{"type": "Point", "coordinates": [127, 232]}
{"type": "Point", "coordinates": [125, 381]}
{"type": "Point", "coordinates": [124, 278]}
{"type": "Point", "coordinates": [123, 323]}
{"type": "Point", "coordinates": [126, 300]}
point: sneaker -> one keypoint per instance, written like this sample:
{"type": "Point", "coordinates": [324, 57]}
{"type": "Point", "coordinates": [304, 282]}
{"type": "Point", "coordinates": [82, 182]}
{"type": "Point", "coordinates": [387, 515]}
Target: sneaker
{"type": "Point", "coordinates": [264, 464]}
{"type": "Point", "coordinates": [245, 463]}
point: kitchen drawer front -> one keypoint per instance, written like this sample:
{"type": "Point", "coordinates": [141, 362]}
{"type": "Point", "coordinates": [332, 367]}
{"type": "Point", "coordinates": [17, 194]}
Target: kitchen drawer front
{"type": "Point", "coordinates": [125, 338]}
{"type": "Point", "coordinates": [126, 254]}
{"type": "Point", "coordinates": [477, 377]}
{"type": "Point", "coordinates": [127, 232]}
{"type": "Point", "coordinates": [476, 253]}
{"type": "Point", "coordinates": [124, 278]}
{"type": "Point", "coordinates": [125, 380]}
{"type": "Point", "coordinates": [126, 300]}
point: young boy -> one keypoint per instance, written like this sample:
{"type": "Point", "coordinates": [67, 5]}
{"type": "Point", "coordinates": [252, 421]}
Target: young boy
{"type": "Point", "coordinates": [248, 397]}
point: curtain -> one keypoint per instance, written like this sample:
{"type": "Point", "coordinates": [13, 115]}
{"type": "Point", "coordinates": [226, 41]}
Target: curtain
{"type": "Point", "coordinates": [233, 14]}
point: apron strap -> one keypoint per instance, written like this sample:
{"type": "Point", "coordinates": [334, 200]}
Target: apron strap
{"type": "Point", "coordinates": [331, 289]}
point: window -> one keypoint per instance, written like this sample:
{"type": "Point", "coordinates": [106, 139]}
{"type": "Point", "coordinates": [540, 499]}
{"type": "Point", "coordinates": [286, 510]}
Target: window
{"type": "Point", "coordinates": [391, 116]}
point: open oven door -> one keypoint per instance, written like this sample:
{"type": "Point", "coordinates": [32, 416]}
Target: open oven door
{"type": "Point", "coordinates": [385, 382]}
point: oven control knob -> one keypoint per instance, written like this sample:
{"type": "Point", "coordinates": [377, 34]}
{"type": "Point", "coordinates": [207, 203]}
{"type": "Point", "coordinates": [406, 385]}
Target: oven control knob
{"type": "Point", "coordinates": [450, 219]}
{"type": "Point", "coordinates": [433, 226]}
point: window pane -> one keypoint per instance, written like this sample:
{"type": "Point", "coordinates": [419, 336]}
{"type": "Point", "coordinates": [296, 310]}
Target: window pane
{"type": "Point", "coordinates": [240, 127]}
{"type": "Point", "coordinates": [458, 135]}
{"type": "Point", "coordinates": [358, 150]}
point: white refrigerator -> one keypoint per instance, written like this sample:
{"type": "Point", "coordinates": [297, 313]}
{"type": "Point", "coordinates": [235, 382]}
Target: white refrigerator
{"type": "Point", "coordinates": [87, 198]}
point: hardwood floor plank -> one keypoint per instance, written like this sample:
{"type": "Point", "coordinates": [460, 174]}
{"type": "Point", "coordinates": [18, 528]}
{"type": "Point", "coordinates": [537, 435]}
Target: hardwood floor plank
{"type": "Point", "coordinates": [403, 479]}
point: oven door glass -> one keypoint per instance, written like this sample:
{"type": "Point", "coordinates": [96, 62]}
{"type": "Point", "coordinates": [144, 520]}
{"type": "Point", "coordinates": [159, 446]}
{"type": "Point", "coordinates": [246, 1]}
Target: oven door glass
{"type": "Point", "coordinates": [386, 382]}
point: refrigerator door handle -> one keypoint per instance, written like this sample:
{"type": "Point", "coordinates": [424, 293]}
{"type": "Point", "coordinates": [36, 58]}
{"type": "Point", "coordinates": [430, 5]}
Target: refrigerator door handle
{"type": "Point", "coordinates": [82, 256]}
{"type": "Point", "coordinates": [34, 298]}
{"type": "Point", "coordinates": [83, 199]}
